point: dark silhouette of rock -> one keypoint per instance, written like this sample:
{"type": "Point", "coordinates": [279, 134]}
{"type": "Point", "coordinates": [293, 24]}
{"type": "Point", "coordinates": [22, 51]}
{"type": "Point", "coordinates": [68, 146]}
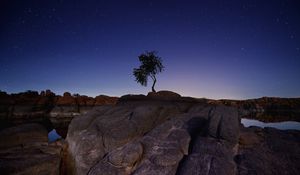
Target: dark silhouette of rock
{"type": "Point", "coordinates": [130, 97]}
{"type": "Point", "coordinates": [156, 96]}
{"type": "Point", "coordinates": [49, 93]}
{"type": "Point", "coordinates": [66, 99]}
{"type": "Point", "coordinates": [105, 100]}
{"type": "Point", "coordinates": [164, 95]}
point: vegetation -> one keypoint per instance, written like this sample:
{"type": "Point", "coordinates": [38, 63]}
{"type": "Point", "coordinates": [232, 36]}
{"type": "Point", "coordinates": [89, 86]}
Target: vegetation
{"type": "Point", "coordinates": [151, 64]}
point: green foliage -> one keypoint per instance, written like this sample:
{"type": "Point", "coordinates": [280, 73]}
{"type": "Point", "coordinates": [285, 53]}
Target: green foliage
{"type": "Point", "coordinates": [151, 64]}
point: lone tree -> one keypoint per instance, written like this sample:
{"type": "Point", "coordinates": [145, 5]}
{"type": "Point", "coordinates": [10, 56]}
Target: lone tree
{"type": "Point", "coordinates": [151, 64]}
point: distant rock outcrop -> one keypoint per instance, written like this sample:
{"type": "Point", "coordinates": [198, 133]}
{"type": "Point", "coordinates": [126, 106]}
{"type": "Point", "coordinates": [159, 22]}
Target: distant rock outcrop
{"type": "Point", "coordinates": [266, 109]}
{"type": "Point", "coordinates": [46, 108]}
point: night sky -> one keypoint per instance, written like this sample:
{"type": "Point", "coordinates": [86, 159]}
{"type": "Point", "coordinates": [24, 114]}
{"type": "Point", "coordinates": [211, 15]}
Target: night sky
{"type": "Point", "coordinates": [215, 49]}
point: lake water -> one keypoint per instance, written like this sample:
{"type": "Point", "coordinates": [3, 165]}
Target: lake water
{"type": "Point", "coordinates": [53, 136]}
{"type": "Point", "coordinates": [278, 125]}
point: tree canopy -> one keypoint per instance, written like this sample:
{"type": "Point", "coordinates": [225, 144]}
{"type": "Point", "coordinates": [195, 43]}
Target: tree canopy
{"type": "Point", "coordinates": [151, 64]}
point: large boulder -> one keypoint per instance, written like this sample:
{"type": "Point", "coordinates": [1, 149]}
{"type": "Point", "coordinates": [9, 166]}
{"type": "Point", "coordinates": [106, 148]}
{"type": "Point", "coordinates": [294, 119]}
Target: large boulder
{"type": "Point", "coordinates": [156, 152]}
{"type": "Point", "coordinates": [108, 128]}
{"type": "Point", "coordinates": [177, 135]}
{"type": "Point", "coordinates": [146, 136]}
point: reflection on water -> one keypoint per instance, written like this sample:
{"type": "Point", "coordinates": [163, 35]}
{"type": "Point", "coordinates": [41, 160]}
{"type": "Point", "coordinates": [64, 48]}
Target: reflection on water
{"type": "Point", "coordinates": [278, 125]}
{"type": "Point", "coordinates": [53, 136]}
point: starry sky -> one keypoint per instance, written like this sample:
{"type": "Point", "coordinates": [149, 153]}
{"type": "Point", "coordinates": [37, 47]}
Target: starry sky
{"type": "Point", "coordinates": [235, 49]}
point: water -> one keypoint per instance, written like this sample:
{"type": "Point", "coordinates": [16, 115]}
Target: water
{"type": "Point", "coordinates": [278, 125]}
{"type": "Point", "coordinates": [53, 136]}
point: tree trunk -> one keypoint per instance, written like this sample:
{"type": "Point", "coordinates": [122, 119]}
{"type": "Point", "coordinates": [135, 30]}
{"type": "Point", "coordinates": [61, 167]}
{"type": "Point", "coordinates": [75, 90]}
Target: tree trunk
{"type": "Point", "coordinates": [154, 81]}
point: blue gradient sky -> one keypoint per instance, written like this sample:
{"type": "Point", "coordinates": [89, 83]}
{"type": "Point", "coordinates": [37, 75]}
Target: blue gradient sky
{"type": "Point", "coordinates": [215, 49]}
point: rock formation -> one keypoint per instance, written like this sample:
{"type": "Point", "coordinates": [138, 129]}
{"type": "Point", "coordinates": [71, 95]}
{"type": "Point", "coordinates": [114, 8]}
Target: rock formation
{"type": "Point", "coordinates": [24, 149]}
{"type": "Point", "coordinates": [268, 151]}
{"type": "Point", "coordinates": [266, 109]}
{"type": "Point", "coordinates": [46, 108]}
{"type": "Point", "coordinates": [164, 133]}
{"type": "Point", "coordinates": [161, 133]}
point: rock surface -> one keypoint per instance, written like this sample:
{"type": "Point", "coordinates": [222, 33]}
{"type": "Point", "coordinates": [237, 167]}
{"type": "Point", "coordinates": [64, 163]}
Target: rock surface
{"type": "Point", "coordinates": [175, 135]}
{"type": "Point", "coordinates": [23, 135]}
{"type": "Point", "coordinates": [268, 151]}
{"type": "Point", "coordinates": [96, 136]}
{"type": "Point", "coordinates": [148, 137]}
{"type": "Point", "coordinates": [161, 133]}
{"type": "Point", "coordinates": [212, 150]}
{"type": "Point", "coordinates": [25, 150]}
